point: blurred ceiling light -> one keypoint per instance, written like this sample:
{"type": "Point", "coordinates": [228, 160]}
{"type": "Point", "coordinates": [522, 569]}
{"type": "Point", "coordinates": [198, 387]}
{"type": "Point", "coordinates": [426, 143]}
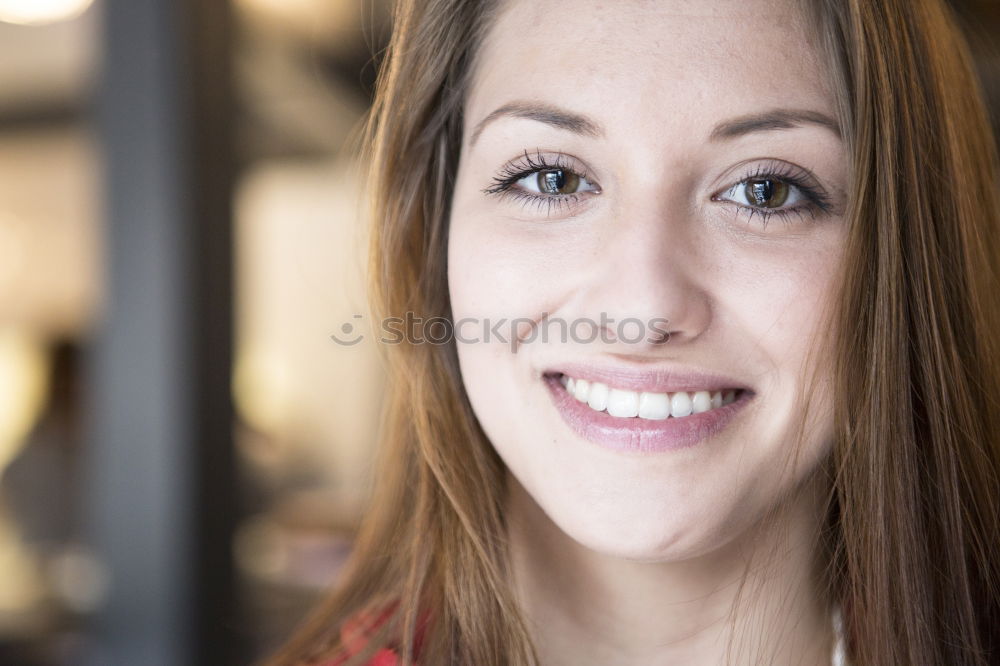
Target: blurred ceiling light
{"type": "Point", "coordinates": [287, 7]}
{"type": "Point", "coordinates": [316, 18]}
{"type": "Point", "coordinates": [282, 6]}
{"type": "Point", "coordinates": [263, 389]}
{"type": "Point", "coordinates": [23, 389]}
{"type": "Point", "coordinates": [40, 12]}
{"type": "Point", "coordinates": [50, 249]}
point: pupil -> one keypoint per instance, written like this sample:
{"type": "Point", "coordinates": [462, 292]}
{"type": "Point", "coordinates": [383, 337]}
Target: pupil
{"type": "Point", "coordinates": [553, 181]}
{"type": "Point", "coordinates": [557, 181]}
{"type": "Point", "coordinates": [766, 193]}
{"type": "Point", "coordinates": [762, 191]}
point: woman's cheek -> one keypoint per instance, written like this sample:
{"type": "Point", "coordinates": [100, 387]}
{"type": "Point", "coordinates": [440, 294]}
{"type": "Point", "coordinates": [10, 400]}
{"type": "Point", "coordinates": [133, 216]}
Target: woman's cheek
{"type": "Point", "coordinates": [497, 274]}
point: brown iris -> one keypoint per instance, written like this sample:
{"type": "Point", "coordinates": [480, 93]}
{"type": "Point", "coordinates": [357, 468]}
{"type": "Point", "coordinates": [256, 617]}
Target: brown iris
{"type": "Point", "coordinates": [557, 181]}
{"type": "Point", "coordinates": [766, 192]}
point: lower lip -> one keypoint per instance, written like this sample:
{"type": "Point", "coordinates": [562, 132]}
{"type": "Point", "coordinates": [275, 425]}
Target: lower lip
{"type": "Point", "coordinates": [642, 435]}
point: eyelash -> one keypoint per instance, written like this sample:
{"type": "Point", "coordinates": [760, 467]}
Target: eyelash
{"type": "Point", "coordinates": [816, 197]}
{"type": "Point", "coordinates": [526, 165]}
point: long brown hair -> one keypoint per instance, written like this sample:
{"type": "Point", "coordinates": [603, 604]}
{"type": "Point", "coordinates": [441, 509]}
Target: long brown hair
{"type": "Point", "coordinates": [914, 513]}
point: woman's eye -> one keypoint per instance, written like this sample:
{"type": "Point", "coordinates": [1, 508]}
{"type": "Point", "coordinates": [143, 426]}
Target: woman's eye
{"type": "Point", "coordinates": [765, 193]}
{"type": "Point", "coordinates": [555, 182]}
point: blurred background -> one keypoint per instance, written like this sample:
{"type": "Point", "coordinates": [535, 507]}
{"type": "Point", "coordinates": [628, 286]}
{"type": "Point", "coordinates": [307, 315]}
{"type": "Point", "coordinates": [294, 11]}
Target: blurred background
{"type": "Point", "coordinates": [184, 450]}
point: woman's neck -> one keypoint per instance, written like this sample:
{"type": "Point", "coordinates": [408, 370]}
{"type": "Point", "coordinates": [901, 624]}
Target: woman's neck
{"type": "Point", "coordinates": [586, 608]}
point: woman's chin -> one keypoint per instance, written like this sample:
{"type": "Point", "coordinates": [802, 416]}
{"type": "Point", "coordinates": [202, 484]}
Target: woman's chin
{"type": "Point", "coordinates": [647, 541]}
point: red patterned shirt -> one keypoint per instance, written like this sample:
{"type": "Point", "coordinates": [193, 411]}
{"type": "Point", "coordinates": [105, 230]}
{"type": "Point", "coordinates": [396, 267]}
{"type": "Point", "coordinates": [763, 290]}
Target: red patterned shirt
{"type": "Point", "coordinates": [360, 628]}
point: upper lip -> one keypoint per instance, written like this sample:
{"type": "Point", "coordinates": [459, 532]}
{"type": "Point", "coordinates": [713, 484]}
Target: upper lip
{"type": "Point", "coordinates": [652, 379]}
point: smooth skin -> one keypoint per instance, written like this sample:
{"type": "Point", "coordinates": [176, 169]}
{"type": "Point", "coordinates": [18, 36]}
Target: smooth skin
{"type": "Point", "coordinates": [658, 108]}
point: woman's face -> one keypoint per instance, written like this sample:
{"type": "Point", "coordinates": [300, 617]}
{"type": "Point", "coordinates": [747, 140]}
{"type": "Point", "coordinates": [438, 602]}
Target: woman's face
{"type": "Point", "coordinates": [666, 178]}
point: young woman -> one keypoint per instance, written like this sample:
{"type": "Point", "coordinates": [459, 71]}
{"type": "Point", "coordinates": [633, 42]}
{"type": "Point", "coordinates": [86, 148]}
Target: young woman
{"type": "Point", "coordinates": [747, 410]}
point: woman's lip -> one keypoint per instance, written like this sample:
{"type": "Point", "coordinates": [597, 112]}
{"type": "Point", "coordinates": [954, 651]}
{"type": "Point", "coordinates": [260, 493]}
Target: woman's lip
{"type": "Point", "coordinates": [637, 434]}
{"type": "Point", "coordinates": [653, 380]}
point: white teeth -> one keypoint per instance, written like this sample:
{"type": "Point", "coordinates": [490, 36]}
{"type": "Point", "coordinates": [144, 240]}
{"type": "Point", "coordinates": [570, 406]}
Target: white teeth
{"type": "Point", "coordinates": [598, 396]}
{"type": "Point", "coordinates": [654, 406]}
{"type": "Point", "coordinates": [622, 403]}
{"type": "Point", "coordinates": [701, 402]}
{"type": "Point", "coordinates": [680, 404]}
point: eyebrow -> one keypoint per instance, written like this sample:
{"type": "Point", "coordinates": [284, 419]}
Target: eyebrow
{"type": "Point", "coordinates": [544, 113]}
{"type": "Point", "coordinates": [774, 119]}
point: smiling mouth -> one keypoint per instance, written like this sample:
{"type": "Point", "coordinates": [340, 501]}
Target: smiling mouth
{"type": "Point", "coordinates": [625, 403]}
{"type": "Point", "coordinates": [636, 421]}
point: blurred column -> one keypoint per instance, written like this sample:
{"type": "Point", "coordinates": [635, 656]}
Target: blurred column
{"type": "Point", "coordinates": [160, 472]}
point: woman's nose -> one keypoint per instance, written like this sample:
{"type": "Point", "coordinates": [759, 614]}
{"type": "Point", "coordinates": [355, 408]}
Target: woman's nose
{"type": "Point", "coordinates": [650, 277]}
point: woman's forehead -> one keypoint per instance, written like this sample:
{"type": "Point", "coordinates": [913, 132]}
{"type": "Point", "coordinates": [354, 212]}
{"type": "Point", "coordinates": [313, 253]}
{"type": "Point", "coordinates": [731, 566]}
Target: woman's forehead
{"type": "Point", "coordinates": [650, 62]}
